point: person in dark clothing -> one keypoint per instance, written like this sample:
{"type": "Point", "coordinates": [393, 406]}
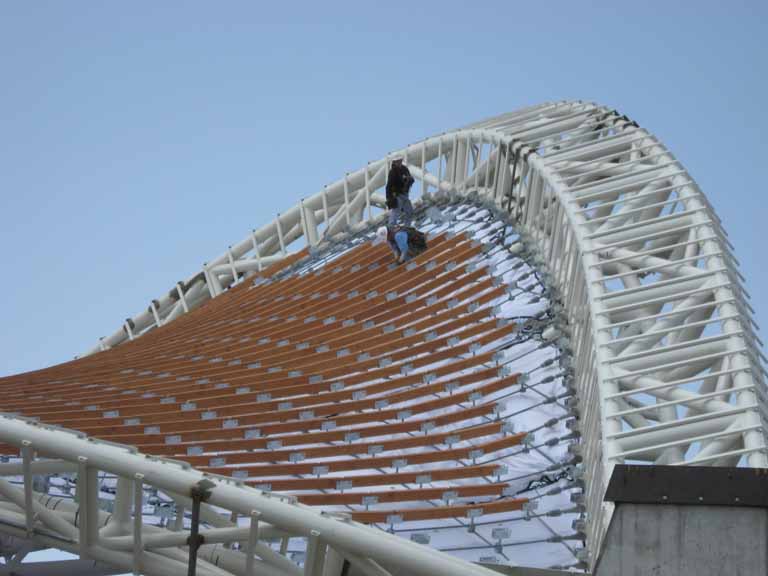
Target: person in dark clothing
{"type": "Point", "coordinates": [406, 242]}
{"type": "Point", "coordinates": [399, 181]}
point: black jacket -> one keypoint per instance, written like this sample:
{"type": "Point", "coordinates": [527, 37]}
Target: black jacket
{"type": "Point", "coordinates": [399, 181]}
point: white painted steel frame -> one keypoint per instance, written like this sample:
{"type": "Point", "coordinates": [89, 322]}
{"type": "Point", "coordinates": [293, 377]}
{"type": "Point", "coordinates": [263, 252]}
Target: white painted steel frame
{"type": "Point", "coordinates": [667, 364]}
{"type": "Point", "coordinates": [122, 541]}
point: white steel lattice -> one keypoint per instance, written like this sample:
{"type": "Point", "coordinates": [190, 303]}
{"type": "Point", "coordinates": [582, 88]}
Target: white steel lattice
{"type": "Point", "coordinates": [667, 366]}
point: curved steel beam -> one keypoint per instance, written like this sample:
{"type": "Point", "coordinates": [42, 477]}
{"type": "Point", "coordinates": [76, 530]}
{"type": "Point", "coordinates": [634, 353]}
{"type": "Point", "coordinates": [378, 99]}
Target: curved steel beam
{"type": "Point", "coordinates": [667, 365]}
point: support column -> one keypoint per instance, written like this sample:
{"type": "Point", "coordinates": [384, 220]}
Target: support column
{"type": "Point", "coordinates": [675, 520]}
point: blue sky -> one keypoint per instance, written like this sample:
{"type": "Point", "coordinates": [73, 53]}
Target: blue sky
{"type": "Point", "coordinates": [138, 140]}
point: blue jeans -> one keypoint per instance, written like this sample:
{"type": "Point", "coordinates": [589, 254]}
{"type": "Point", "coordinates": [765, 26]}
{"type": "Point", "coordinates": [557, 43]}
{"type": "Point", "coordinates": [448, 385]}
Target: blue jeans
{"type": "Point", "coordinates": [400, 245]}
{"type": "Point", "coordinates": [403, 210]}
{"type": "Point", "coordinates": [401, 239]}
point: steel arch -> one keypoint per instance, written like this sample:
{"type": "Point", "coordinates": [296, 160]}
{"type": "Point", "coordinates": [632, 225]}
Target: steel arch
{"type": "Point", "coordinates": [667, 365]}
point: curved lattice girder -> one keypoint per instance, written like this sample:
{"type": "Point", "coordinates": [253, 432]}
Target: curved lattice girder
{"type": "Point", "coordinates": [665, 363]}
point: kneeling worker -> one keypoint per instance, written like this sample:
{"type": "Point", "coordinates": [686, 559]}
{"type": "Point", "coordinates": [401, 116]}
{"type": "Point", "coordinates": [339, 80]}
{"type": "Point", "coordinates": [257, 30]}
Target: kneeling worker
{"type": "Point", "coordinates": [406, 242]}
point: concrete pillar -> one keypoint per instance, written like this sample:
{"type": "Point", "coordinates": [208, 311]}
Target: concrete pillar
{"type": "Point", "coordinates": [679, 521]}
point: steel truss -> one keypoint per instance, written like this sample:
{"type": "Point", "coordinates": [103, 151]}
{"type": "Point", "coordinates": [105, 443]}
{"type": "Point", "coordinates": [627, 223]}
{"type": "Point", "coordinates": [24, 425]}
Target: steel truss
{"type": "Point", "coordinates": [122, 539]}
{"type": "Point", "coordinates": [667, 364]}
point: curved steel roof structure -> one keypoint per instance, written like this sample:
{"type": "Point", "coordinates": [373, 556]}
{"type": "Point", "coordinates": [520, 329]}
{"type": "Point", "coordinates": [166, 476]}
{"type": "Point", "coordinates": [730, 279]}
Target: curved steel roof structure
{"type": "Point", "coordinates": [578, 307]}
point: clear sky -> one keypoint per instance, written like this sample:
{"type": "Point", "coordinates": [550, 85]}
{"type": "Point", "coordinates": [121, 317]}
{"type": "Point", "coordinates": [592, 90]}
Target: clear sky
{"type": "Point", "coordinates": [139, 139]}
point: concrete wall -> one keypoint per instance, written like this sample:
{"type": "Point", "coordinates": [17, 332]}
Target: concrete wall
{"type": "Point", "coordinates": [682, 540]}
